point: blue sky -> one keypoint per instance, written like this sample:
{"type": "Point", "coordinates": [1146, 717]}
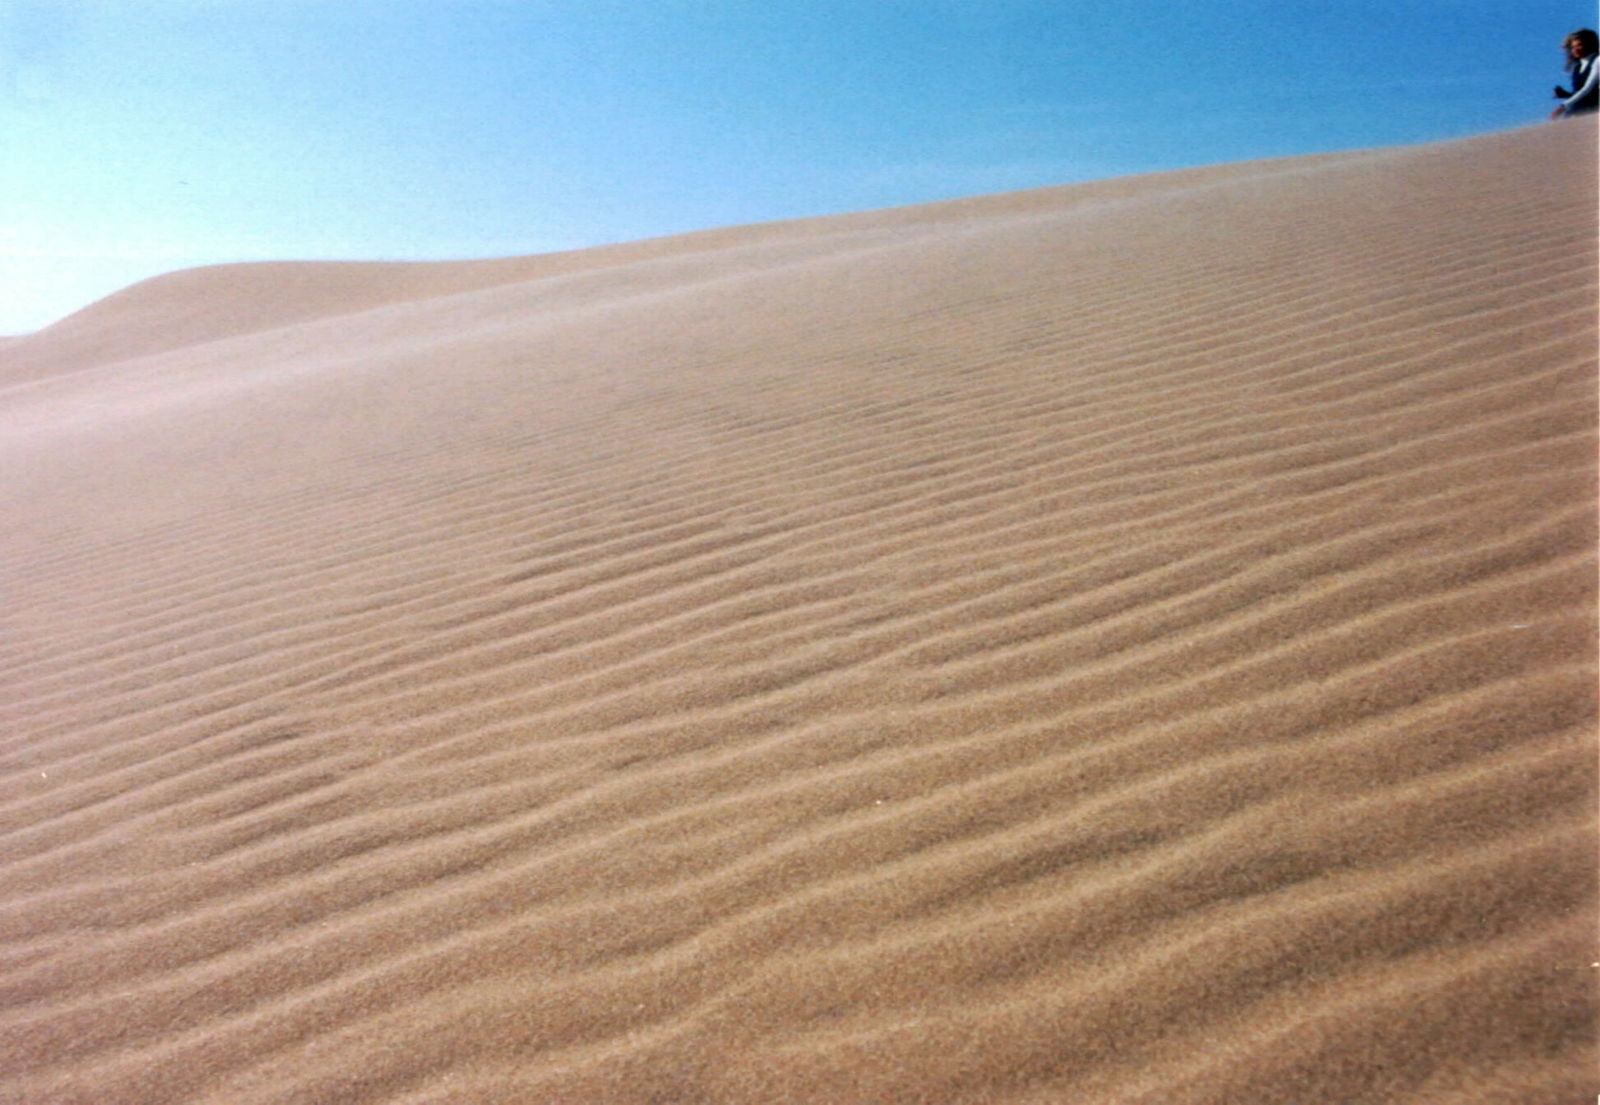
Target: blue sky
{"type": "Point", "coordinates": [141, 136]}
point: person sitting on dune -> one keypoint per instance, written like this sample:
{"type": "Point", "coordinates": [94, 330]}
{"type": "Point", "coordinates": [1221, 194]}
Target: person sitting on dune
{"type": "Point", "coordinates": [1584, 96]}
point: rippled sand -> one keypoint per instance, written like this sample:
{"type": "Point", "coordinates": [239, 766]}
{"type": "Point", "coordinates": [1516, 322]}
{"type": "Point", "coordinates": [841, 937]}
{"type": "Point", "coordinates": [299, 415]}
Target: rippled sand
{"type": "Point", "coordinates": [1129, 642]}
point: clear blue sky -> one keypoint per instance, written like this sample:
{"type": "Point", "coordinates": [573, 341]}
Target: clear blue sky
{"type": "Point", "coordinates": [141, 136]}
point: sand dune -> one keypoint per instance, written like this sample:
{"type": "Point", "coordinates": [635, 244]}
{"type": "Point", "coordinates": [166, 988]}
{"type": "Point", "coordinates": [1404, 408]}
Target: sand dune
{"type": "Point", "coordinates": [1130, 642]}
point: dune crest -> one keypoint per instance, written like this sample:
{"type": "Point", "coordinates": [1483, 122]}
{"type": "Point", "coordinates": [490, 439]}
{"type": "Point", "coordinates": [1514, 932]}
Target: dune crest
{"type": "Point", "coordinates": [1124, 643]}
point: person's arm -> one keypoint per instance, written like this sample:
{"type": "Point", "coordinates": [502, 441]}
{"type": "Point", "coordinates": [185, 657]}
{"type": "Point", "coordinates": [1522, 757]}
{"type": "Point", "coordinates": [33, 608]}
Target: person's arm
{"type": "Point", "coordinates": [1579, 92]}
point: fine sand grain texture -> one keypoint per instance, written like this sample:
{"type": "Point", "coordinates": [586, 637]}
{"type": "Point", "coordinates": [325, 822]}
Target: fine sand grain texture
{"type": "Point", "coordinates": [1123, 643]}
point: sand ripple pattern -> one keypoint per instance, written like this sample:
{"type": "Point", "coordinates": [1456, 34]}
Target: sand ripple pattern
{"type": "Point", "coordinates": [1125, 643]}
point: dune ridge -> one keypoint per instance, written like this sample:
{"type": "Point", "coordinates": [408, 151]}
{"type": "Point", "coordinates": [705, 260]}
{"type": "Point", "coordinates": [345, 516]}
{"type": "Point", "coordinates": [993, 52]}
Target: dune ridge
{"type": "Point", "coordinates": [1129, 642]}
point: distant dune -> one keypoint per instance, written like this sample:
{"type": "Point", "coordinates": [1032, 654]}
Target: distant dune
{"type": "Point", "coordinates": [1123, 643]}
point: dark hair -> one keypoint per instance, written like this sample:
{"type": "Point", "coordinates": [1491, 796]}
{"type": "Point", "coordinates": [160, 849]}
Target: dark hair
{"type": "Point", "coordinates": [1585, 38]}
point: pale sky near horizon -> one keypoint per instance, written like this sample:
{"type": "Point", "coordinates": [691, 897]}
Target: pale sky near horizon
{"type": "Point", "coordinates": [142, 136]}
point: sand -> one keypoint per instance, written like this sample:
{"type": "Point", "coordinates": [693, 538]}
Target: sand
{"type": "Point", "coordinates": [1127, 642]}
